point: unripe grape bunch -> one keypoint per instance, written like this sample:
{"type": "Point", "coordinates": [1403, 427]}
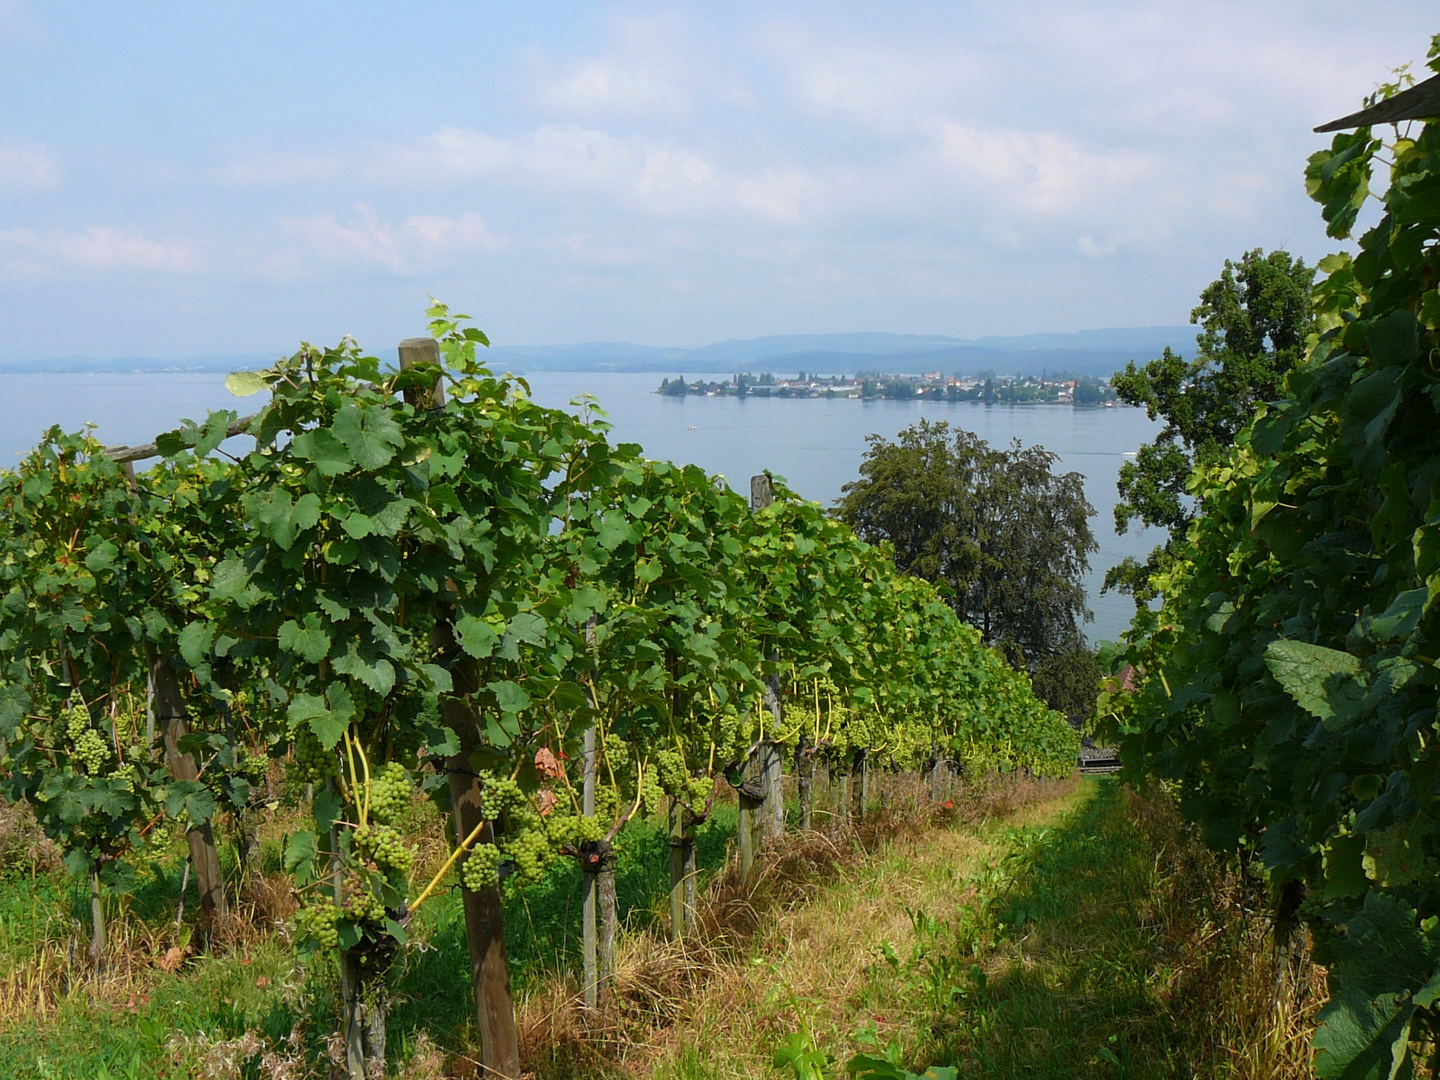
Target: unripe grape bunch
{"type": "Point", "coordinates": [382, 845]}
{"type": "Point", "coordinates": [92, 751]}
{"type": "Point", "coordinates": [362, 905]}
{"type": "Point", "coordinates": [316, 922]}
{"type": "Point", "coordinates": [499, 795]}
{"type": "Point", "coordinates": [481, 868]}
{"type": "Point", "coordinates": [313, 760]}
{"type": "Point", "coordinates": [77, 721]}
{"type": "Point", "coordinates": [389, 793]}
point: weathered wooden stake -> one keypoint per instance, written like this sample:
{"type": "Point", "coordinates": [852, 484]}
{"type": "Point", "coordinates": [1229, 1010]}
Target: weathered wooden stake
{"type": "Point", "coordinates": [609, 919]}
{"type": "Point", "coordinates": [772, 809]}
{"type": "Point", "coordinates": [97, 919]}
{"type": "Point", "coordinates": [168, 708]}
{"type": "Point", "coordinates": [804, 779]}
{"type": "Point", "coordinates": [590, 878]}
{"type": "Point", "coordinates": [748, 807]}
{"type": "Point", "coordinates": [682, 870]}
{"type": "Point", "coordinates": [862, 790]}
{"type": "Point", "coordinates": [484, 912]}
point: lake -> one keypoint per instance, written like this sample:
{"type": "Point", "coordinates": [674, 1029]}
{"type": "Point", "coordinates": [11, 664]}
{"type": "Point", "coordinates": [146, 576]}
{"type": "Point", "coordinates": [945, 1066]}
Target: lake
{"type": "Point", "coordinates": [815, 444]}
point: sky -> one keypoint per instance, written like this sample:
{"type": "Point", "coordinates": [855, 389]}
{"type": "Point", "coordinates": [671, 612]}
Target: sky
{"type": "Point", "coordinates": [182, 179]}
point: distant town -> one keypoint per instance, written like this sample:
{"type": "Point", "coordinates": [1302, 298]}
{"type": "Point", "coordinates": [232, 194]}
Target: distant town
{"type": "Point", "coordinates": [871, 385]}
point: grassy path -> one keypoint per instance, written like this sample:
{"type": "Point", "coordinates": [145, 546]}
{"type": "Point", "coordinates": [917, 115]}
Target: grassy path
{"type": "Point", "coordinates": [1083, 935]}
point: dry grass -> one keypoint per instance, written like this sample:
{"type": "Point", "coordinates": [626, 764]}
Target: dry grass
{"type": "Point", "coordinates": [1247, 1009]}
{"type": "Point", "coordinates": [668, 994]}
{"type": "Point", "coordinates": [1152, 951]}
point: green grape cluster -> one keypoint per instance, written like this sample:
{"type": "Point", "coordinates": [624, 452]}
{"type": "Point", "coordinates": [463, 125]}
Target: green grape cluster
{"type": "Point", "coordinates": [125, 777]}
{"type": "Point", "coordinates": [382, 845]}
{"type": "Point", "coordinates": [733, 732]}
{"type": "Point", "coordinates": [531, 850]}
{"type": "Point", "coordinates": [617, 751]}
{"type": "Point", "coordinates": [481, 868]}
{"type": "Point", "coordinates": [572, 829]}
{"type": "Point", "coordinates": [651, 794]}
{"type": "Point", "coordinates": [422, 629]}
{"type": "Point", "coordinates": [501, 794]}
{"type": "Point", "coordinates": [366, 700]}
{"type": "Point", "coordinates": [253, 767]}
{"type": "Point", "coordinates": [160, 834]}
{"type": "Point", "coordinates": [76, 720]}
{"type": "Point", "coordinates": [361, 904]}
{"type": "Point", "coordinates": [698, 790]}
{"type": "Point", "coordinates": [314, 761]}
{"type": "Point", "coordinates": [93, 751]}
{"type": "Point", "coordinates": [607, 802]}
{"type": "Point", "coordinates": [316, 922]}
{"type": "Point", "coordinates": [389, 793]}
{"type": "Point", "coordinates": [670, 770]}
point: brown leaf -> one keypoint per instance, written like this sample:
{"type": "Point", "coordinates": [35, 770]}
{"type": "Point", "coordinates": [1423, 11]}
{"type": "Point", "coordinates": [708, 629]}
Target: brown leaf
{"type": "Point", "coordinates": [548, 799]}
{"type": "Point", "coordinates": [173, 958]}
{"type": "Point", "coordinates": [547, 765]}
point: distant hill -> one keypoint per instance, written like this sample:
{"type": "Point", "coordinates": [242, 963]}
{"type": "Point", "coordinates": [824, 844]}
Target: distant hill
{"type": "Point", "coordinates": [1086, 352]}
{"type": "Point", "coordinates": [125, 364]}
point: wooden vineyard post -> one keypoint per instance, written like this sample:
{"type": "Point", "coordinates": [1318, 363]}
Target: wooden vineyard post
{"type": "Point", "coordinates": [771, 762]}
{"type": "Point", "coordinates": [422, 350]}
{"type": "Point", "coordinates": [484, 910]}
{"type": "Point", "coordinates": [97, 919]}
{"type": "Point", "coordinates": [842, 801]}
{"type": "Point", "coordinates": [772, 808]}
{"type": "Point", "coordinates": [608, 917]}
{"type": "Point", "coordinates": [590, 878]}
{"type": "Point", "coordinates": [749, 780]}
{"type": "Point", "coordinates": [804, 779]}
{"type": "Point", "coordinates": [862, 789]}
{"type": "Point", "coordinates": [597, 865]}
{"type": "Point", "coordinates": [682, 870]}
{"type": "Point", "coordinates": [168, 708]}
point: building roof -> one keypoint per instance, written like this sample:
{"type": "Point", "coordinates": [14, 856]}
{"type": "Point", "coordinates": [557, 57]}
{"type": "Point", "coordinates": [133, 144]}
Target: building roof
{"type": "Point", "coordinates": [1420, 102]}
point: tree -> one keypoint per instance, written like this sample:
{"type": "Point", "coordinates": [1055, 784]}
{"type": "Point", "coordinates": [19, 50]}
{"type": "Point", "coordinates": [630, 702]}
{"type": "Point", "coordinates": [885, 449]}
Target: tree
{"type": "Point", "coordinates": [1069, 681]}
{"type": "Point", "coordinates": [1253, 324]}
{"type": "Point", "coordinates": [1008, 536]}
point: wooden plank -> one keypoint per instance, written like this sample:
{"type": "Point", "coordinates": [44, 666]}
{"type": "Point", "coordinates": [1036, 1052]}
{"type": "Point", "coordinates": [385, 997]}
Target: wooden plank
{"type": "Point", "coordinates": [149, 450]}
{"type": "Point", "coordinates": [1420, 102]}
{"type": "Point", "coordinates": [422, 350]}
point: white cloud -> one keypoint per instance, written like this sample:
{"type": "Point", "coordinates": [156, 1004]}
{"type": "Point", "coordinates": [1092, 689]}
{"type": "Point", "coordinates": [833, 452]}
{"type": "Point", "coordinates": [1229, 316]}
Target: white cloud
{"type": "Point", "coordinates": [368, 241]}
{"type": "Point", "coordinates": [23, 165]}
{"type": "Point", "coordinates": [1043, 172]}
{"type": "Point", "coordinates": [645, 67]}
{"type": "Point", "coordinates": [884, 88]}
{"type": "Point", "coordinates": [607, 85]}
{"type": "Point", "coordinates": [101, 247]}
{"type": "Point", "coordinates": [646, 176]}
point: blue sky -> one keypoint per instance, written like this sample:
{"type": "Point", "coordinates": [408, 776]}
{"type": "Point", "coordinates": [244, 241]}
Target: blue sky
{"type": "Point", "coordinates": [189, 179]}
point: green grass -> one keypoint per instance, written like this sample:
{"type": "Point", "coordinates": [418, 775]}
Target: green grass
{"type": "Point", "coordinates": [260, 988]}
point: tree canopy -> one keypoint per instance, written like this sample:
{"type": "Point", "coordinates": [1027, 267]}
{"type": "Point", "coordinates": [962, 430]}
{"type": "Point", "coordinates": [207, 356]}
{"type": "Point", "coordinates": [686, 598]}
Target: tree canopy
{"type": "Point", "coordinates": [1253, 321]}
{"type": "Point", "coordinates": [1007, 535]}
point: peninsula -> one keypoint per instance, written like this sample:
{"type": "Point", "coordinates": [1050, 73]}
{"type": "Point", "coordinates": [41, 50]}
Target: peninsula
{"type": "Point", "coordinates": [871, 385]}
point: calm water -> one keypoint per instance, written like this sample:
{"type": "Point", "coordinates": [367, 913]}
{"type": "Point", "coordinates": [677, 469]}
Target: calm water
{"type": "Point", "coordinates": [816, 445]}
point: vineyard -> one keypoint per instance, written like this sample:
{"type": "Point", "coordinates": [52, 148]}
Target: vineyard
{"type": "Point", "coordinates": [1288, 684]}
{"type": "Point", "coordinates": [414, 588]}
